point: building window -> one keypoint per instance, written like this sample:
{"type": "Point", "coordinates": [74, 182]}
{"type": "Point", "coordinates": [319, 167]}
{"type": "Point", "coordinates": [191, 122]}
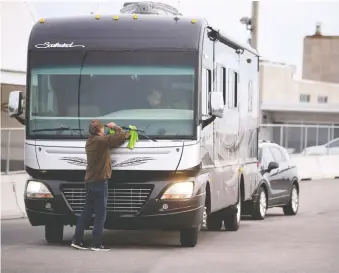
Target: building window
{"type": "Point", "coordinates": [322, 99]}
{"type": "Point", "coordinates": [305, 98]}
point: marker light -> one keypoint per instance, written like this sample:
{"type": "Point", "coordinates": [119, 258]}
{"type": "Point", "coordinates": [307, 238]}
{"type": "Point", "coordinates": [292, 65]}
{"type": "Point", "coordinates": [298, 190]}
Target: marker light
{"type": "Point", "coordinates": [37, 189]}
{"type": "Point", "coordinates": [135, 17]}
{"type": "Point", "coordinates": [42, 20]}
{"type": "Point", "coordinates": [181, 190]}
{"type": "Point", "coordinates": [116, 17]}
{"type": "Point", "coordinates": [193, 21]}
{"type": "Point", "coordinates": [97, 17]}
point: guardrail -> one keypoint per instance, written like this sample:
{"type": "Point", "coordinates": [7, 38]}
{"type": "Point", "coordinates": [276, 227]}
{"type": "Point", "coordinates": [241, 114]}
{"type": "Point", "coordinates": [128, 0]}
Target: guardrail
{"type": "Point", "coordinates": [12, 149]}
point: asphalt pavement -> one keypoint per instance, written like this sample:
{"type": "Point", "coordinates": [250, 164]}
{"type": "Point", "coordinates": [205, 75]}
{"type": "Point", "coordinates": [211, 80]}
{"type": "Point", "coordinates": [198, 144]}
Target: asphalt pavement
{"type": "Point", "coordinates": [306, 243]}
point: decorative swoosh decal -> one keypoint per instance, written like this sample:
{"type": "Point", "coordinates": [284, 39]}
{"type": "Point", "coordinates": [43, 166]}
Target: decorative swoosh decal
{"type": "Point", "coordinates": [129, 162]}
{"type": "Point", "coordinates": [133, 161]}
{"type": "Point", "coordinates": [75, 161]}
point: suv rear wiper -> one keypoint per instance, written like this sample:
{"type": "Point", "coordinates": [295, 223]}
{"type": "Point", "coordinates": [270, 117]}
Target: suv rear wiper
{"type": "Point", "coordinates": [58, 129]}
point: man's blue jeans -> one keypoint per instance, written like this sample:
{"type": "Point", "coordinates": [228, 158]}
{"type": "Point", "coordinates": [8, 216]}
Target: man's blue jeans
{"type": "Point", "coordinates": [96, 200]}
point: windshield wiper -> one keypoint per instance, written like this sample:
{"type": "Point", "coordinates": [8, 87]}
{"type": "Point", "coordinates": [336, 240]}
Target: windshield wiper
{"type": "Point", "coordinates": [58, 129]}
{"type": "Point", "coordinates": [140, 133]}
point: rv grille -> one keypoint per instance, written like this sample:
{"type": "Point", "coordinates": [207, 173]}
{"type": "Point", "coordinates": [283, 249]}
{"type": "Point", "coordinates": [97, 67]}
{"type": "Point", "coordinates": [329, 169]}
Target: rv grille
{"type": "Point", "coordinates": [124, 199]}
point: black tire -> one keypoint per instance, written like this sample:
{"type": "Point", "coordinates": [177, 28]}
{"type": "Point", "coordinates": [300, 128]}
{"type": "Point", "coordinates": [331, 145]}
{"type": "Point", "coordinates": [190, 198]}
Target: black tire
{"type": "Point", "coordinates": [54, 233]}
{"type": "Point", "coordinates": [260, 207]}
{"type": "Point", "coordinates": [214, 222]}
{"type": "Point", "coordinates": [189, 237]}
{"type": "Point", "coordinates": [292, 208]}
{"type": "Point", "coordinates": [233, 216]}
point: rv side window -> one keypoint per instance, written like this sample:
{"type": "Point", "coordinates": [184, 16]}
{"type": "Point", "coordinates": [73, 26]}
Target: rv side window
{"type": "Point", "coordinates": [205, 90]}
{"type": "Point", "coordinates": [224, 84]}
{"type": "Point", "coordinates": [250, 96]}
{"type": "Point", "coordinates": [209, 81]}
{"type": "Point", "coordinates": [233, 89]}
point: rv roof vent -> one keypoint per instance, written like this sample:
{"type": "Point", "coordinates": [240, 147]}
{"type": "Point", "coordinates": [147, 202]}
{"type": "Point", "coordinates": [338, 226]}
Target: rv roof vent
{"type": "Point", "coordinates": [148, 7]}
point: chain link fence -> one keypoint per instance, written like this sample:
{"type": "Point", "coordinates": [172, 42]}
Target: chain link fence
{"type": "Point", "coordinates": [303, 139]}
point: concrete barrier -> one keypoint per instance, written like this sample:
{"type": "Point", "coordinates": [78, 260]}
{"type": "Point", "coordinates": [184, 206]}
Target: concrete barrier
{"type": "Point", "coordinates": [13, 185]}
{"type": "Point", "coordinates": [316, 167]}
{"type": "Point", "coordinates": [12, 193]}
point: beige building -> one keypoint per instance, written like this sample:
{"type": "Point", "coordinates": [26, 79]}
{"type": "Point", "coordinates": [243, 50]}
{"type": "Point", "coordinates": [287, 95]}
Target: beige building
{"type": "Point", "coordinates": [289, 104]}
{"type": "Point", "coordinates": [321, 57]}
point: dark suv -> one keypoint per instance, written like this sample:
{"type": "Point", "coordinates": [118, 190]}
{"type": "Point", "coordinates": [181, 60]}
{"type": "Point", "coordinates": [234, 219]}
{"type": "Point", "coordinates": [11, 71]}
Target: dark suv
{"type": "Point", "coordinates": [278, 184]}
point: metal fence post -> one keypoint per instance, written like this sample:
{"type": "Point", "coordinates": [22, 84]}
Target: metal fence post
{"type": "Point", "coordinates": [8, 151]}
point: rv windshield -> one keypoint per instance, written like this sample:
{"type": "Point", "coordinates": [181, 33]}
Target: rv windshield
{"type": "Point", "coordinates": [152, 91]}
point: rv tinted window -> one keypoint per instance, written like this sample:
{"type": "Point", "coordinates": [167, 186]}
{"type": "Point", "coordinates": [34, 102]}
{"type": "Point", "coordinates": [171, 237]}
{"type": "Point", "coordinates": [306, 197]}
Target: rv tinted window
{"type": "Point", "coordinates": [155, 93]}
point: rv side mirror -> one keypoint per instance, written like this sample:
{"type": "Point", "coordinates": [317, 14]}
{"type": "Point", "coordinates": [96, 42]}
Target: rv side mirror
{"type": "Point", "coordinates": [15, 102]}
{"type": "Point", "coordinates": [217, 104]}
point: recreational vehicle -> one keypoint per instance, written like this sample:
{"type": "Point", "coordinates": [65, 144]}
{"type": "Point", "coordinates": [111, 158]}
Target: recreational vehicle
{"type": "Point", "coordinates": [189, 89]}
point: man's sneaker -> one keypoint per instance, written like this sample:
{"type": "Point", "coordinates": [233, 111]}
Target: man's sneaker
{"type": "Point", "coordinates": [100, 248]}
{"type": "Point", "coordinates": [78, 245]}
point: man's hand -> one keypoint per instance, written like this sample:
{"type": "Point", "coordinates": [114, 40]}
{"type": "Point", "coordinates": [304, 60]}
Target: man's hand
{"type": "Point", "coordinates": [127, 135]}
{"type": "Point", "coordinates": [111, 125]}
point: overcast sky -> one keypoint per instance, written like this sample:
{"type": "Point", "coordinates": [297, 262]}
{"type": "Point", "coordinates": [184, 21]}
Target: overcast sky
{"type": "Point", "coordinates": [282, 24]}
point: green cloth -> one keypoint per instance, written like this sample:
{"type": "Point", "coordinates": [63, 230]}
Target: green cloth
{"type": "Point", "coordinates": [133, 138]}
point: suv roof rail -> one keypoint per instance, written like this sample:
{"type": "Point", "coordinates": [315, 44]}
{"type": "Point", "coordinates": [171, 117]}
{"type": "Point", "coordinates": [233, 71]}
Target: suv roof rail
{"type": "Point", "coordinates": [148, 7]}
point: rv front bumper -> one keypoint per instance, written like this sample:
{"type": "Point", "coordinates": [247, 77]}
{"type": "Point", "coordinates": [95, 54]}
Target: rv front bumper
{"type": "Point", "coordinates": [141, 207]}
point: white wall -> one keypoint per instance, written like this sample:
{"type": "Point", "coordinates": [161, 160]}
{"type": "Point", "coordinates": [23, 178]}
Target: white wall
{"type": "Point", "coordinates": [17, 19]}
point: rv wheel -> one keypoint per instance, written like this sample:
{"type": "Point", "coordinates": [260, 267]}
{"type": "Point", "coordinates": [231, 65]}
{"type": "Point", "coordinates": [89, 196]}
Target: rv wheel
{"type": "Point", "coordinates": [54, 232]}
{"type": "Point", "coordinates": [214, 222]}
{"type": "Point", "coordinates": [189, 237]}
{"type": "Point", "coordinates": [233, 216]}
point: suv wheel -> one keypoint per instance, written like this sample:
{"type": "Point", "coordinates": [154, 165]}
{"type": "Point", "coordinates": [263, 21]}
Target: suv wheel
{"type": "Point", "coordinates": [259, 211]}
{"type": "Point", "coordinates": [293, 205]}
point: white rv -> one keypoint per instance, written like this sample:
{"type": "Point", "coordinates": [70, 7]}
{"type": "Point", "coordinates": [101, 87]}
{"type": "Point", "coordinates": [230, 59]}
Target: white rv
{"type": "Point", "coordinates": [191, 91]}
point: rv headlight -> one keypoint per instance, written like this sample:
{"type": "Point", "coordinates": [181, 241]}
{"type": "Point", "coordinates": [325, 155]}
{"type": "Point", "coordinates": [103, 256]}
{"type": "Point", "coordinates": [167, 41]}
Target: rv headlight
{"type": "Point", "coordinates": [37, 189]}
{"type": "Point", "coordinates": [181, 190]}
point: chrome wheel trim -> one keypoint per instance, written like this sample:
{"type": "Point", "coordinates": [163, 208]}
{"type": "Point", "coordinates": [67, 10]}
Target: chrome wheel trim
{"type": "Point", "coordinates": [263, 204]}
{"type": "Point", "coordinates": [294, 199]}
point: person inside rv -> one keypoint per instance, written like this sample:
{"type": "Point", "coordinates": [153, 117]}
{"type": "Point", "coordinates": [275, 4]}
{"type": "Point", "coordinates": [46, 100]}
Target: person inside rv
{"type": "Point", "coordinates": [156, 100]}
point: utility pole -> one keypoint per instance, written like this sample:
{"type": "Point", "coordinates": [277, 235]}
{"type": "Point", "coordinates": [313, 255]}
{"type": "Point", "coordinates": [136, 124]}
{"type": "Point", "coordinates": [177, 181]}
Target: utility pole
{"type": "Point", "coordinates": [251, 24]}
{"type": "Point", "coordinates": [254, 24]}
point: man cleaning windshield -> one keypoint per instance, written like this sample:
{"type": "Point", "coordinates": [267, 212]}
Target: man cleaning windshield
{"type": "Point", "coordinates": [98, 172]}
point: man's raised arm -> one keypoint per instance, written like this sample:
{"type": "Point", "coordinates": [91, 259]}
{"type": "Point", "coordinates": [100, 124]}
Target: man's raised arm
{"type": "Point", "coordinates": [116, 139]}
